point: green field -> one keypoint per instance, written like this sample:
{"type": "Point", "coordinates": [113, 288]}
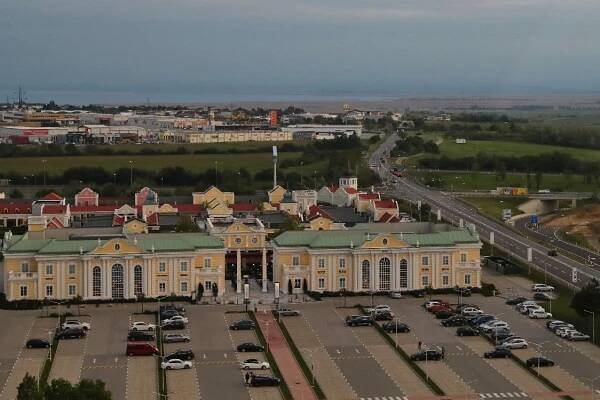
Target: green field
{"type": "Point", "coordinates": [493, 206]}
{"type": "Point", "coordinates": [170, 147]}
{"type": "Point", "coordinates": [465, 181]}
{"type": "Point", "coordinates": [194, 162]}
{"type": "Point", "coordinates": [504, 148]}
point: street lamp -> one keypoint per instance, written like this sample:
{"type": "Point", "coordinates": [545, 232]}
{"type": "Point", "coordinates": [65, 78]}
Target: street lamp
{"type": "Point", "coordinates": [539, 346]}
{"type": "Point", "coordinates": [593, 324]}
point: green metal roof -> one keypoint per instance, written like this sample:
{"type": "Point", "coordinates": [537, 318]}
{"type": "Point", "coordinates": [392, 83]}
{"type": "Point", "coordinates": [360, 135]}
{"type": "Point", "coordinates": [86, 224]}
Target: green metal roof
{"type": "Point", "coordinates": [352, 238]}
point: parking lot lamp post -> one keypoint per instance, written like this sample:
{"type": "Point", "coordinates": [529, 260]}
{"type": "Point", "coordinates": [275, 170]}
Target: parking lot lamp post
{"type": "Point", "coordinates": [593, 324]}
{"type": "Point", "coordinates": [539, 346]}
{"type": "Point", "coordinates": [267, 335]}
{"type": "Point", "coordinates": [50, 347]}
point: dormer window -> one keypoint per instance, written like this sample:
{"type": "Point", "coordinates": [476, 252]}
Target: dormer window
{"type": "Point", "coordinates": [117, 247]}
{"type": "Point", "coordinates": [385, 241]}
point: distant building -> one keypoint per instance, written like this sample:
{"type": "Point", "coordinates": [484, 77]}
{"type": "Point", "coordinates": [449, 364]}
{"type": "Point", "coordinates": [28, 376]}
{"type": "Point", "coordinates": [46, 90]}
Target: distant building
{"type": "Point", "coordinates": [322, 132]}
{"type": "Point", "coordinates": [461, 141]}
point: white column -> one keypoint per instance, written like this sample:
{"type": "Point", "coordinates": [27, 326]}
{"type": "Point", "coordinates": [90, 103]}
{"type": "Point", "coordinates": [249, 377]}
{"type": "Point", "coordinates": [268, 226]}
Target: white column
{"type": "Point", "coordinates": [264, 270]}
{"type": "Point", "coordinates": [238, 271]}
{"type": "Point", "coordinates": [126, 269]}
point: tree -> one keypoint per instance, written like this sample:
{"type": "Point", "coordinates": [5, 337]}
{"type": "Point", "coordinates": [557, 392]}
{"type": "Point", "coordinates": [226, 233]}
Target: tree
{"type": "Point", "coordinates": [89, 389]}
{"type": "Point", "coordinates": [305, 286]}
{"type": "Point", "coordinates": [538, 180]}
{"type": "Point", "coordinates": [588, 298]}
{"type": "Point", "coordinates": [289, 286]}
{"type": "Point", "coordinates": [78, 300]}
{"type": "Point", "coordinates": [59, 389]}
{"type": "Point", "coordinates": [28, 389]}
{"type": "Point", "coordinates": [200, 291]}
{"type": "Point", "coordinates": [185, 224]}
{"type": "Point", "coordinates": [16, 194]}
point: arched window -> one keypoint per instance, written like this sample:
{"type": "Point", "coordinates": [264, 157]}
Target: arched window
{"type": "Point", "coordinates": [366, 274]}
{"type": "Point", "coordinates": [138, 287]}
{"type": "Point", "coordinates": [403, 274]}
{"type": "Point", "coordinates": [117, 281]}
{"type": "Point", "coordinates": [384, 274]}
{"type": "Point", "coordinates": [96, 282]}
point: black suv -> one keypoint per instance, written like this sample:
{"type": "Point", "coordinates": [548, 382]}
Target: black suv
{"type": "Point", "coordinates": [516, 300]}
{"type": "Point", "coordinates": [242, 325]}
{"type": "Point", "coordinates": [264, 380]}
{"type": "Point", "coordinates": [244, 347]}
{"type": "Point", "coordinates": [37, 344]}
{"type": "Point", "coordinates": [444, 314]}
{"type": "Point", "coordinates": [71, 333]}
{"type": "Point", "coordinates": [456, 320]}
{"type": "Point", "coordinates": [168, 313]}
{"type": "Point", "coordinates": [428, 355]}
{"type": "Point", "coordinates": [173, 325]}
{"type": "Point", "coordinates": [383, 316]}
{"type": "Point", "coordinates": [499, 352]}
{"type": "Point", "coordinates": [140, 336]}
{"type": "Point", "coordinates": [539, 361]}
{"type": "Point", "coordinates": [393, 326]}
{"type": "Point", "coordinates": [466, 331]}
{"type": "Point", "coordinates": [359, 320]}
{"type": "Point", "coordinates": [180, 355]}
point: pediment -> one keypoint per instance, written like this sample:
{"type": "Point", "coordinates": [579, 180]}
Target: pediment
{"type": "Point", "coordinates": [117, 246]}
{"type": "Point", "coordinates": [384, 241]}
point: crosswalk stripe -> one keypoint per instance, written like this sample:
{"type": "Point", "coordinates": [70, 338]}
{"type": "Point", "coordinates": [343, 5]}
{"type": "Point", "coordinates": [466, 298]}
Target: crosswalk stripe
{"type": "Point", "coordinates": [517, 394]}
{"type": "Point", "coordinates": [496, 394]}
{"type": "Point", "coordinates": [523, 394]}
{"type": "Point", "coordinates": [482, 395]}
{"type": "Point", "coordinates": [510, 394]}
{"type": "Point", "coordinates": [503, 394]}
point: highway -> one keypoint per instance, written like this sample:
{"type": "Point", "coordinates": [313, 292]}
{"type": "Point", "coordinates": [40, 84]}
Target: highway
{"type": "Point", "coordinates": [453, 210]}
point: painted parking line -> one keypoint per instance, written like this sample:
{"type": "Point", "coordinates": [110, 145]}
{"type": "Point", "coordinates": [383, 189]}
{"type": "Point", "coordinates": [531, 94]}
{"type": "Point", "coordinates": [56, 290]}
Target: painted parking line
{"type": "Point", "coordinates": [385, 398]}
{"type": "Point", "coordinates": [502, 395]}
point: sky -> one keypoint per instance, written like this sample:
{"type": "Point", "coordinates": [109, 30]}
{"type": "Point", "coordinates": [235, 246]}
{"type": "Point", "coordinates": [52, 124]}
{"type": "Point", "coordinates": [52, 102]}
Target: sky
{"type": "Point", "coordinates": [205, 49]}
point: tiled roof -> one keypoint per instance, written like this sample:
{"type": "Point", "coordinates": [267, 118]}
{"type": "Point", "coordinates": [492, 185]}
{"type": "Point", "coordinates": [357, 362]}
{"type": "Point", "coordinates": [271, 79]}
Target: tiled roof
{"type": "Point", "coordinates": [18, 208]}
{"type": "Point", "coordinates": [92, 209]}
{"type": "Point", "coordinates": [368, 196]}
{"type": "Point", "coordinates": [241, 207]}
{"type": "Point", "coordinates": [52, 196]}
{"type": "Point", "coordinates": [385, 204]}
{"type": "Point", "coordinates": [152, 219]}
{"type": "Point", "coordinates": [188, 208]}
{"type": "Point", "coordinates": [54, 209]}
{"type": "Point", "coordinates": [350, 190]}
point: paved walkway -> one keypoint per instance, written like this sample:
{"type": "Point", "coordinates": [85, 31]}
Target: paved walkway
{"type": "Point", "coordinates": [289, 368]}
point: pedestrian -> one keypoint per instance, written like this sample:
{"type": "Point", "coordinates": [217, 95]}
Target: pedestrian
{"type": "Point", "coordinates": [420, 345]}
{"type": "Point", "coordinates": [247, 377]}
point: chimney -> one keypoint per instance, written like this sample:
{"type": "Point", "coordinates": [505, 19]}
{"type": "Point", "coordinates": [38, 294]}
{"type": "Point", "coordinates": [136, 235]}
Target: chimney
{"type": "Point", "coordinates": [36, 227]}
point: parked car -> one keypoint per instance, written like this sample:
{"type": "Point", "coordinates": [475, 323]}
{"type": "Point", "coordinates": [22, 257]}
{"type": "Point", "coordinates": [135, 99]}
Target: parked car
{"type": "Point", "coordinates": [264, 380]}
{"type": "Point", "coordinates": [552, 253]}
{"type": "Point", "coordinates": [455, 320]}
{"type": "Point", "coordinates": [168, 313]}
{"type": "Point", "coordinates": [555, 323]}
{"type": "Point", "coordinates": [71, 333]}
{"type": "Point", "coordinates": [481, 319]}
{"type": "Point", "coordinates": [527, 308]}
{"type": "Point", "coordinates": [438, 308]}
{"type": "Point", "coordinates": [175, 338]}
{"type": "Point", "coordinates": [359, 320]}
{"type": "Point", "coordinates": [76, 324]}
{"type": "Point", "coordinates": [140, 336]}
{"type": "Point", "coordinates": [176, 318]}
{"type": "Point", "coordinates": [141, 349]}
{"type": "Point", "coordinates": [471, 311]}
{"type": "Point", "coordinates": [142, 326]}
{"type": "Point", "coordinates": [242, 325]}
{"type": "Point", "coordinates": [577, 337]}
{"type": "Point", "coordinates": [500, 352]}
{"type": "Point", "coordinates": [494, 325]}
{"type": "Point", "coordinates": [394, 294]}
{"type": "Point", "coordinates": [466, 331]}
{"type": "Point", "coordinates": [253, 363]}
{"type": "Point", "coordinates": [539, 314]}
{"type": "Point", "coordinates": [378, 308]}
{"type": "Point", "coordinates": [246, 347]}
{"type": "Point", "coordinates": [541, 296]}
{"type": "Point", "coordinates": [433, 303]}
{"type": "Point", "coordinates": [37, 344]}
{"type": "Point", "coordinates": [181, 355]}
{"type": "Point", "coordinates": [565, 331]}
{"type": "Point", "coordinates": [172, 325]}
{"type": "Point", "coordinates": [428, 355]}
{"type": "Point", "coordinates": [444, 314]}
{"type": "Point", "coordinates": [395, 326]}
{"type": "Point", "coordinates": [176, 363]}
{"type": "Point", "coordinates": [382, 316]}
{"type": "Point", "coordinates": [514, 343]}
{"type": "Point", "coordinates": [516, 300]}
{"type": "Point", "coordinates": [175, 307]}
{"type": "Point", "coordinates": [539, 362]}
{"type": "Point", "coordinates": [286, 312]}
{"type": "Point", "coordinates": [541, 287]}
{"type": "Point", "coordinates": [501, 335]}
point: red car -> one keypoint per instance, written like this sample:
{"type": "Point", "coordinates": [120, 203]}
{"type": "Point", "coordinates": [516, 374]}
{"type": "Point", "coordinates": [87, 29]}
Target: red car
{"type": "Point", "coordinates": [438, 308]}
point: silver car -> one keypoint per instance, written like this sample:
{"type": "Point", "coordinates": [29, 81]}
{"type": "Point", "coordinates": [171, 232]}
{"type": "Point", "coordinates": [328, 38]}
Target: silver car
{"type": "Point", "coordinates": [175, 338]}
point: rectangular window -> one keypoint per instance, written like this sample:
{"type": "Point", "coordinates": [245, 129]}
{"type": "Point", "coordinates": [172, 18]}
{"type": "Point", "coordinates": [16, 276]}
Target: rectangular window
{"type": "Point", "coordinates": [49, 290]}
{"type": "Point", "coordinates": [295, 260]}
{"type": "Point", "coordinates": [445, 260]}
{"type": "Point", "coordinates": [184, 287]}
{"type": "Point", "coordinates": [72, 290]}
{"type": "Point", "coordinates": [425, 260]}
{"type": "Point", "coordinates": [71, 269]}
{"type": "Point", "coordinates": [23, 291]}
{"type": "Point", "coordinates": [425, 280]}
{"type": "Point", "coordinates": [183, 267]}
{"type": "Point", "coordinates": [162, 287]}
{"type": "Point", "coordinates": [206, 262]}
{"type": "Point", "coordinates": [207, 286]}
{"type": "Point", "coordinates": [445, 280]}
{"type": "Point", "coordinates": [25, 267]}
{"type": "Point", "coordinates": [49, 269]}
{"type": "Point", "coordinates": [321, 263]}
{"type": "Point", "coordinates": [162, 267]}
{"type": "Point", "coordinates": [342, 283]}
{"type": "Point", "coordinates": [468, 279]}
{"type": "Point", "coordinates": [342, 263]}
{"type": "Point", "coordinates": [463, 257]}
{"type": "Point", "coordinates": [297, 283]}
{"type": "Point", "coordinates": [321, 283]}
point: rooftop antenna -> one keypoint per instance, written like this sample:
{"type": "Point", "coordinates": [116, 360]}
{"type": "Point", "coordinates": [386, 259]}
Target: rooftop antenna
{"type": "Point", "coordinates": [274, 166]}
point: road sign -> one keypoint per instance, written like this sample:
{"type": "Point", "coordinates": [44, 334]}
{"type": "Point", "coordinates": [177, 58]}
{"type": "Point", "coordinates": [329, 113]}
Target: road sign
{"type": "Point", "coordinates": [506, 214]}
{"type": "Point", "coordinates": [574, 275]}
{"type": "Point", "coordinates": [534, 220]}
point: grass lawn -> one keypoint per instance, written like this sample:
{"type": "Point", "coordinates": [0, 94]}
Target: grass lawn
{"type": "Point", "coordinates": [492, 207]}
{"type": "Point", "coordinates": [252, 162]}
{"type": "Point", "coordinates": [464, 181]}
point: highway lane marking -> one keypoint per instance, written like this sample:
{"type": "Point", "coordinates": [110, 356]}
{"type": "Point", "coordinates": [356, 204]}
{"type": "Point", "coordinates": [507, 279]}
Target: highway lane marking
{"type": "Point", "coordinates": [357, 351]}
{"type": "Point", "coordinates": [458, 347]}
{"type": "Point", "coordinates": [558, 344]}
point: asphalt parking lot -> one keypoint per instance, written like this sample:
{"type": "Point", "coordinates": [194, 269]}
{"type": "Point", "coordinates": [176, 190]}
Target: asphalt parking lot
{"type": "Point", "coordinates": [141, 373]}
{"type": "Point", "coordinates": [68, 360]}
{"type": "Point", "coordinates": [181, 384]}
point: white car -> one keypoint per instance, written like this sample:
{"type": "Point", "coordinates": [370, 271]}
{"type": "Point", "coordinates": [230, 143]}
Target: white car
{"type": "Point", "coordinates": [74, 324]}
{"type": "Point", "coordinates": [515, 343]}
{"type": "Point", "coordinates": [526, 303]}
{"type": "Point", "coordinates": [142, 326]}
{"type": "Point", "coordinates": [539, 314]}
{"type": "Point", "coordinates": [253, 363]}
{"type": "Point", "coordinates": [530, 307]}
{"type": "Point", "coordinates": [176, 318]}
{"type": "Point", "coordinates": [542, 287]}
{"type": "Point", "coordinates": [379, 308]}
{"type": "Point", "coordinates": [471, 311]}
{"type": "Point", "coordinates": [557, 323]}
{"type": "Point", "coordinates": [577, 336]}
{"type": "Point", "coordinates": [494, 326]}
{"type": "Point", "coordinates": [564, 332]}
{"type": "Point", "coordinates": [176, 364]}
